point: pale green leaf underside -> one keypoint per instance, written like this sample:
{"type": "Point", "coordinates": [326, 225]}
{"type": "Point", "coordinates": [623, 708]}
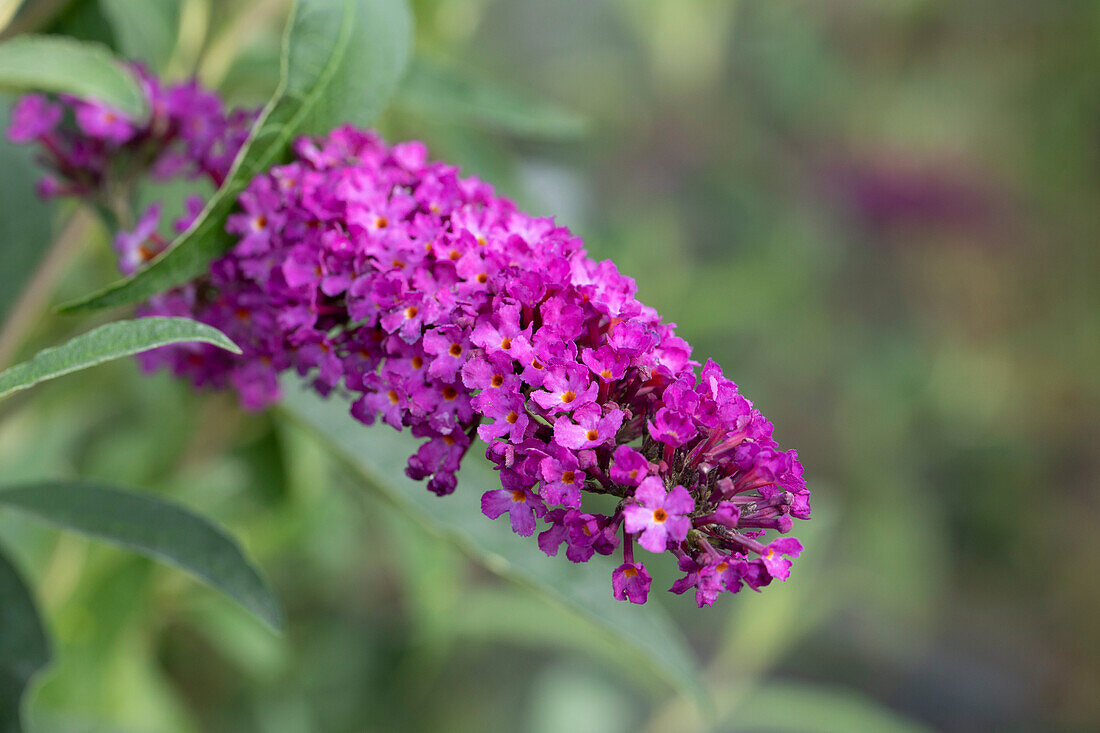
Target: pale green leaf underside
{"type": "Point", "coordinates": [154, 527]}
{"type": "Point", "coordinates": [66, 65]}
{"type": "Point", "coordinates": [112, 341]}
{"type": "Point", "coordinates": [379, 454]}
{"type": "Point", "coordinates": [342, 60]}
{"type": "Point", "coordinates": [790, 707]}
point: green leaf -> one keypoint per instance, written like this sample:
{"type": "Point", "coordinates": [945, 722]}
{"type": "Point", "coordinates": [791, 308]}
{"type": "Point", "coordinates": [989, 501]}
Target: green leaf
{"type": "Point", "coordinates": [789, 707]}
{"type": "Point", "coordinates": [25, 219]}
{"type": "Point", "coordinates": [59, 64]}
{"type": "Point", "coordinates": [342, 60]}
{"type": "Point", "coordinates": [379, 455]}
{"type": "Point", "coordinates": [112, 341]}
{"type": "Point", "coordinates": [145, 30]}
{"type": "Point", "coordinates": [153, 527]}
{"type": "Point", "coordinates": [24, 647]}
{"type": "Point", "coordinates": [446, 94]}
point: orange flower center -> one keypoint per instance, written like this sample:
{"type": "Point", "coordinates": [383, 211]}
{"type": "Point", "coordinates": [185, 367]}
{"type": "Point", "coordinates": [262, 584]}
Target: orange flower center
{"type": "Point", "coordinates": [511, 417]}
{"type": "Point", "coordinates": [506, 343]}
{"type": "Point", "coordinates": [518, 495]}
{"type": "Point", "coordinates": [393, 396]}
{"type": "Point", "coordinates": [568, 477]}
{"type": "Point", "coordinates": [482, 278]}
{"type": "Point", "coordinates": [497, 380]}
{"type": "Point", "coordinates": [450, 393]}
{"type": "Point", "coordinates": [568, 396]}
{"type": "Point", "coordinates": [592, 435]}
{"type": "Point", "coordinates": [660, 516]}
{"type": "Point", "coordinates": [455, 350]}
{"type": "Point", "coordinates": [411, 311]}
{"type": "Point", "coordinates": [606, 374]}
{"type": "Point", "coordinates": [381, 222]}
{"type": "Point", "coordinates": [630, 572]}
{"type": "Point", "coordinates": [417, 362]}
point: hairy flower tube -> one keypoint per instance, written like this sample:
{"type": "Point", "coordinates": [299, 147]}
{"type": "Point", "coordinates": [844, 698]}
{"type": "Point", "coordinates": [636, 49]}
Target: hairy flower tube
{"type": "Point", "coordinates": [441, 308]}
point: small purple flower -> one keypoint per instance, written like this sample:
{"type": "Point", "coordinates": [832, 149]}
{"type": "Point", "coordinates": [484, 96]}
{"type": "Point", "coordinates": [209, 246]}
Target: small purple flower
{"type": "Point", "coordinates": [581, 532]}
{"type": "Point", "coordinates": [630, 582]}
{"type": "Point", "coordinates": [628, 466]}
{"type": "Point", "coordinates": [562, 479]}
{"type": "Point", "coordinates": [671, 428]}
{"type": "Point", "coordinates": [606, 363]}
{"type": "Point", "coordinates": [565, 388]}
{"type": "Point", "coordinates": [778, 566]}
{"type": "Point", "coordinates": [135, 248]}
{"type": "Point", "coordinates": [102, 122]}
{"type": "Point", "coordinates": [450, 349]}
{"type": "Point", "coordinates": [32, 117]}
{"type": "Point", "coordinates": [521, 504]}
{"type": "Point", "coordinates": [590, 430]}
{"type": "Point", "coordinates": [506, 411]}
{"type": "Point", "coordinates": [660, 517]}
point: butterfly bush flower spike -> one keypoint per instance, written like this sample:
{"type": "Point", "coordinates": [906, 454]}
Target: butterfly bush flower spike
{"type": "Point", "coordinates": [436, 306]}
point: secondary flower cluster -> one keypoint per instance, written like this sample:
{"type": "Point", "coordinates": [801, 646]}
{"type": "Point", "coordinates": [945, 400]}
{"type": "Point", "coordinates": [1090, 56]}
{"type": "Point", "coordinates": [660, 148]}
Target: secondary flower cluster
{"type": "Point", "coordinates": [97, 152]}
{"type": "Point", "coordinates": [442, 308]}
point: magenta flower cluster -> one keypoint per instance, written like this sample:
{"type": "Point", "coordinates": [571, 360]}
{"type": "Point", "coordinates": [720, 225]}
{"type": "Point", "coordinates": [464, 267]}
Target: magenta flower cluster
{"type": "Point", "coordinates": [442, 308]}
{"type": "Point", "coordinates": [95, 152]}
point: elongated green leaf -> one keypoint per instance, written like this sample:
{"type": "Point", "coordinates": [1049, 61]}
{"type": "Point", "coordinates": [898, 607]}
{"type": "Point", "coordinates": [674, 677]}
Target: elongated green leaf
{"type": "Point", "coordinates": [24, 647]}
{"type": "Point", "coordinates": [112, 341]}
{"type": "Point", "coordinates": [145, 30]}
{"type": "Point", "coordinates": [59, 64]}
{"type": "Point", "coordinates": [25, 219]}
{"type": "Point", "coordinates": [380, 455]}
{"type": "Point", "coordinates": [342, 60]}
{"type": "Point", "coordinates": [153, 527]}
{"type": "Point", "coordinates": [441, 93]}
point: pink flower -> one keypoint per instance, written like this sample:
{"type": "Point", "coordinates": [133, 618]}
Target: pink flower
{"type": "Point", "coordinates": [628, 466]}
{"type": "Point", "coordinates": [103, 122]}
{"type": "Point", "coordinates": [32, 117]}
{"type": "Point", "coordinates": [660, 517]}
{"type": "Point", "coordinates": [521, 504]}
{"type": "Point", "coordinates": [778, 566]}
{"type": "Point", "coordinates": [590, 430]}
{"type": "Point", "coordinates": [630, 582]}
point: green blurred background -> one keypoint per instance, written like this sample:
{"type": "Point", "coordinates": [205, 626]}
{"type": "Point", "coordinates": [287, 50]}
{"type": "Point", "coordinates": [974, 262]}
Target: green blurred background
{"type": "Point", "coordinates": [880, 216]}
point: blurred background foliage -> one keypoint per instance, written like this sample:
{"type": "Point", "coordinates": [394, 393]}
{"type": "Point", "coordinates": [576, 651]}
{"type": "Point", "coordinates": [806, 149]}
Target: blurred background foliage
{"type": "Point", "coordinates": [880, 217]}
